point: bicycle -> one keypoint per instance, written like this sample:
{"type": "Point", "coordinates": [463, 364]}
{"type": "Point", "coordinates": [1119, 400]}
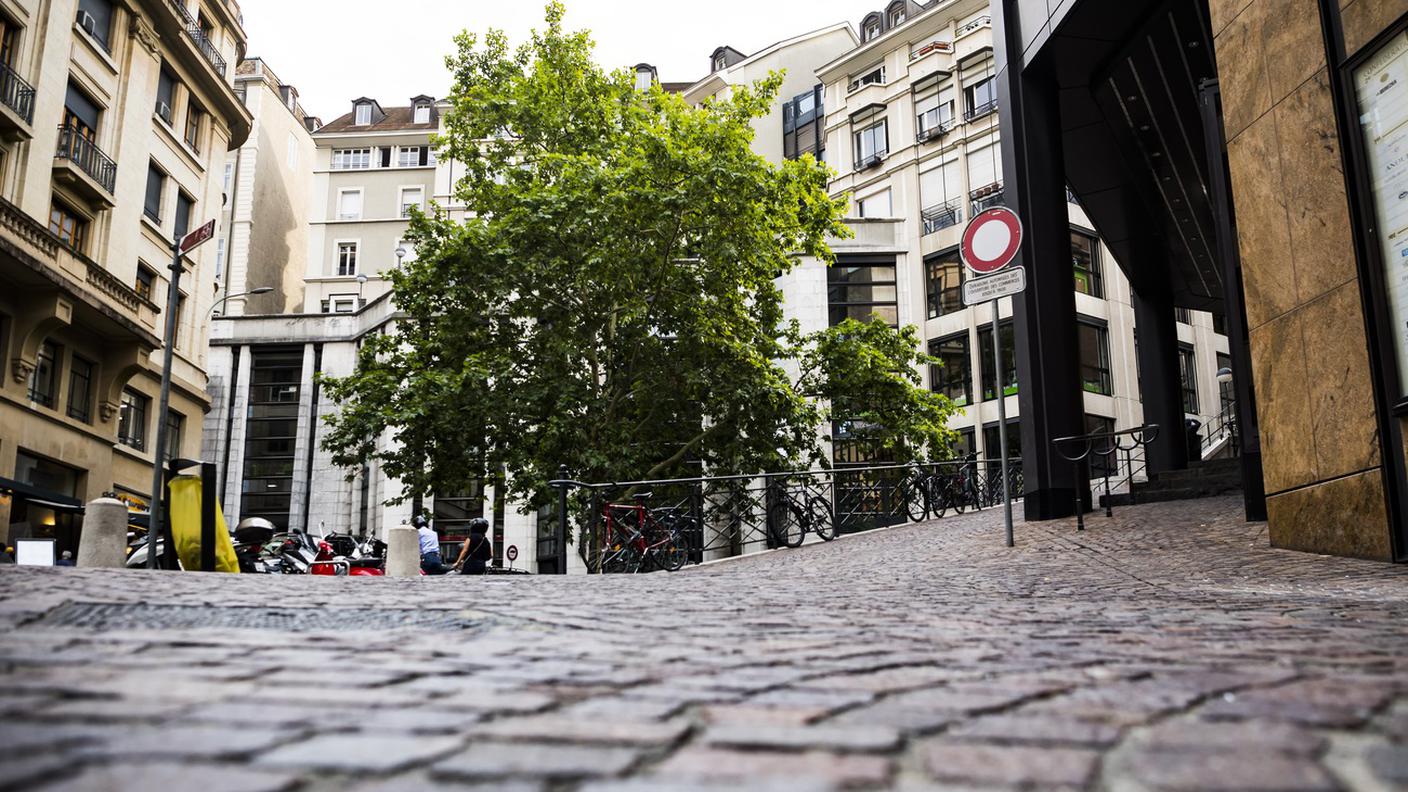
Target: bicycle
{"type": "Point", "coordinates": [796, 512]}
{"type": "Point", "coordinates": [637, 537]}
{"type": "Point", "coordinates": [935, 492]}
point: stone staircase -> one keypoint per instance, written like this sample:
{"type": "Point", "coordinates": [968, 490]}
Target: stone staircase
{"type": "Point", "coordinates": [1201, 480]}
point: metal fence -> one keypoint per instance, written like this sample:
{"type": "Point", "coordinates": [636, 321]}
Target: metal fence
{"type": "Point", "coordinates": [723, 516]}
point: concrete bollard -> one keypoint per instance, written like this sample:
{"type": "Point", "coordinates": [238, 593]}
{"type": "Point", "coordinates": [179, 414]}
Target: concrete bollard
{"type": "Point", "coordinates": [402, 552]}
{"type": "Point", "coordinates": [103, 542]}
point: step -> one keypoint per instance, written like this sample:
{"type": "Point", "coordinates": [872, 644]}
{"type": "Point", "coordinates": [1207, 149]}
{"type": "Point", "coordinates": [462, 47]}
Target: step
{"type": "Point", "coordinates": [1162, 496]}
{"type": "Point", "coordinates": [1204, 483]}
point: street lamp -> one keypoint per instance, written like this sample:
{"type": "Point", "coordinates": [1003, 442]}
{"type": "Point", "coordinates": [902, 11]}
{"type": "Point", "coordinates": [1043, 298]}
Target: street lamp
{"type": "Point", "coordinates": [1224, 375]}
{"type": "Point", "coordinates": [361, 281]}
{"type": "Point", "coordinates": [221, 301]}
{"type": "Point", "coordinates": [401, 253]}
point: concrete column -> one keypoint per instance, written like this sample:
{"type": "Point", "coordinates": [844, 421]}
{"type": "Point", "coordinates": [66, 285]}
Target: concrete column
{"type": "Point", "coordinates": [402, 552]}
{"type": "Point", "coordinates": [1160, 383]}
{"type": "Point", "coordinates": [103, 542]}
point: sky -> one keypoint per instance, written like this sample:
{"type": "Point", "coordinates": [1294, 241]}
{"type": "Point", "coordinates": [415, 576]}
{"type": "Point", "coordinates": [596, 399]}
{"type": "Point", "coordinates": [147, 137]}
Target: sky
{"type": "Point", "coordinates": [334, 51]}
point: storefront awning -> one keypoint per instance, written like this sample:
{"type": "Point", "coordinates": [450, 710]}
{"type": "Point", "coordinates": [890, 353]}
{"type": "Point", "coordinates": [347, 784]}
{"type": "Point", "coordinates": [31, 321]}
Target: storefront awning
{"type": "Point", "coordinates": [38, 496]}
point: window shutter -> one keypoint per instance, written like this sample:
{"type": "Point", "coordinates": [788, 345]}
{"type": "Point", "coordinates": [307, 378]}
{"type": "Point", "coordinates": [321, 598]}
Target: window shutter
{"type": "Point", "coordinates": [424, 155]}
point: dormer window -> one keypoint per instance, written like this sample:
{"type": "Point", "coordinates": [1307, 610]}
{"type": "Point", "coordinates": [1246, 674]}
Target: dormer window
{"type": "Point", "coordinates": [422, 114]}
{"type": "Point", "coordinates": [896, 17]}
{"type": "Point", "coordinates": [870, 30]}
{"type": "Point", "coordinates": [720, 62]}
{"type": "Point", "coordinates": [363, 115]}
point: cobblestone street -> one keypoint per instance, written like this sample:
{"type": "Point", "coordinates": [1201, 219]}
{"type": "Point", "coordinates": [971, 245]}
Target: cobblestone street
{"type": "Point", "coordinates": [1167, 648]}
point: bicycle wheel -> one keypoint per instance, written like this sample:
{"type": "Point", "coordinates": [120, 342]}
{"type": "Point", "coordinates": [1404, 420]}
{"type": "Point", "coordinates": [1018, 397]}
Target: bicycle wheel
{"type": "Point", "coordinates": [955, 497]}
{"type": "Point", "coordinates": [938, 500]}
{"type": "Point", "coordinates": [916, 500]}
{"type": "Point", "coordinates": [822, 521]}
{"type": "Point", "coordinates": [674, 553]}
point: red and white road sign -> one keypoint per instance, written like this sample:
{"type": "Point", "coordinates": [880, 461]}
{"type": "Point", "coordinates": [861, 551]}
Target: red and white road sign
{"type": "Point", "coordinates": [512, 552]}
{"type": "Point", "coordinates": [196, 237]}
{"type": "Point", "coordinates": [991, 240]}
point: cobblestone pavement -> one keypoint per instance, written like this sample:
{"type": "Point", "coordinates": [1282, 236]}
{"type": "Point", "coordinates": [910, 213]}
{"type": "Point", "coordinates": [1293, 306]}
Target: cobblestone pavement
{"type": "Point", "coordinates": [1167, 648]}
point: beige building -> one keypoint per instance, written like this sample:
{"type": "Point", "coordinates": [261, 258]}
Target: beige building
{"type": "Point", "coordinates": [371, 166]}
{"type": "Point", "coordinates": [115, 120]}
{"type": "Point", "coordinates": [263, 240]}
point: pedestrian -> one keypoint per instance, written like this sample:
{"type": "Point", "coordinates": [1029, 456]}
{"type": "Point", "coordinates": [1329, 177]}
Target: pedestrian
{"type": "Point", "coordinates": [7, 555]}
{"type": "Point", "coordinates": [65, 559]}
{"type": "Point", "coordinates": [476, 552]}
{"type": "Point", "coordinates": [430, 561]}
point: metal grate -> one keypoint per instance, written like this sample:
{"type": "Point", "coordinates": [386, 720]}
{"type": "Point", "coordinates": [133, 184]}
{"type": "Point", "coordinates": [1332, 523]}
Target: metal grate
{"type": "Point", "coordinates": [110, 616]}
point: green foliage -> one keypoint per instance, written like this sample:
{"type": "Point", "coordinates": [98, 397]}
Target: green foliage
{"type": "Point", "coordinates": [608, 302]}
{"type": "Point", "coordinates": [868, 372]}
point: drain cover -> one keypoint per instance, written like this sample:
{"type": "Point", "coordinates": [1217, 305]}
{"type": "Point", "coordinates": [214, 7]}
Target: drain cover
{"type": "Point", "coordinates": [109, 616]}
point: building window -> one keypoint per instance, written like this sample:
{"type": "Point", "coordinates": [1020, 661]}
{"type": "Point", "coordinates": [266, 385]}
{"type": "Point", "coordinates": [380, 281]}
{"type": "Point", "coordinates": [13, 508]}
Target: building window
{"type": "Point", "coordinates": [349, 204]}
{"type": "Point", "coordinates": [992, 448]}
{"type": "Point", "coordinates": [422, 114]}
{"type": "Point", "coordinates": [1085, 259]}
{"type": "Point", "coordinates": [1183, 315]}
{"type": "Point", "coordinates": [934, 112]}
{"type": "Point", "coordinates": [9, 41]}
{"type": "Point", "coordinates": [175, 428]}
{"type": "Point", "coordinates": [875, 76]}
{"type": "Point", "coordinates": [180, 320]}
{"type": "Point", "coordinates": [870, 30]}
{"type": "Point", "coordinates": [1226, 391]}
{"type": "Point", "coordinates": [70, 227]}
{"type": "Point", "coordinates": [953, 374]}
{"type": "Point", "coordinates": [1101, 465]}
{"type": "Point", "coordinates": [267, 484]}
{"type": "Point", "coordinates": [1094, 346]}
{"type": "Point", "coordinates": [229, 175]}
{"type": "Point", "coordinates": [363, 115]}
{"type": "Point", "coordinates": [803, 125]}
{"type": "Point", "coordinates": [1188, 375]}
{"type": "Point", "coordinates": [184, 205]}
{"type": "Point", "coordinates": [340, 304]}
{"type": "Point", "coordinates": [980, 98]}
{"type": "Point", "coordinates": [877, 205]}
{"type": "Point", "coordinates": [145, 278]}
{"type": "Point", "coordinates": [720, 62]}
{"type": "Point", "coordinates": [80, 389]}
{"type": "Point", "coordinates": [291, 151]}
{"type": "Point", "coordinates": [351, 159]}
{"type": "Point", "coordinates": [944, 281]}
{"type": "Point", "coordinates": [156, 185]}
{"type": "Point", "coordinates": [411, 198]}
{"type": "Point", "coordinates": [1219, 323]}
{"type": "Point", "coordinates": [1009, 360]}
{"type": "Point", "coordinates": [166, 94]}
{"type": "Point", "coordinates": [95, 16]}
{"type": "Point", "coordinates": [409, 157]}
{"type": "Point", "coordinates": [219, 257]}
{"type": "Point", "coordinates": [346, 259]}
{"type": "Point", "coordinates": [861, 292]}
{"type": "Point", "coordinates": [132, 420]}
{"type": "Point", "coordinates": [194, 120]}
{"type": "Point", "coordinates": [81, 113]}
{"type": "Point", "coordinates": [896, 18]}
{"type": "Point", "coordinates": [872, 144]}
{"type": "Point", "coordinates": [44, 380]}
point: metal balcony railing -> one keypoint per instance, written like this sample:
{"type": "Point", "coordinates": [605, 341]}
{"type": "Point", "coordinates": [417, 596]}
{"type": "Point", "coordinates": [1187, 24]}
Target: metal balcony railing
{"type": "Point", "coordinates": [987, 197]}
{"type": "Point", "coordinates": [937, 218]}
{"type": "Point", "coordinates": [17, 94]}
{"type": "Point", "coordinates": [198, 36]}
{"type": "Point", "coordinates": [980, 110]}
{"type": "Point", "coordinates": [88, 157]}
{"type": "Point", "coordinates": [980, 22]}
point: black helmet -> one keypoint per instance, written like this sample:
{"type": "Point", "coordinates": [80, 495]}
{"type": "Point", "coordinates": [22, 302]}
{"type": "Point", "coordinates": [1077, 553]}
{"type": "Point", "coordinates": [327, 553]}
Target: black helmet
{"type": "Point", "coordinates": [420, 521]}
{"type": "Point", "coordinates": [478, 525]}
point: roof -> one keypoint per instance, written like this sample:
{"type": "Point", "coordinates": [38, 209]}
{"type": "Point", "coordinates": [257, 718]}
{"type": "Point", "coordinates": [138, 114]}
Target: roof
{"type": "Point", "coordinates": [397, 119]}
{"type": "Point", "coordinates": [675, 87]}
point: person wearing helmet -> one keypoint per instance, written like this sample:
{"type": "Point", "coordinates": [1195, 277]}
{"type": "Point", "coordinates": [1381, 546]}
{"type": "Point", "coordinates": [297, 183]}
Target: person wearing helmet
{"type": "Point", "coordinates": [430, 561]}
{"type": "Point", "coordinates": [476, 552]}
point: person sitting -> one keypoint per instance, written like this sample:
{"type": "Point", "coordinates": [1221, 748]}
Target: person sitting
{"type": "Point", "coordinates": [477, 551]}
{"type": "Point", "coordinates": [65, 559]}
{"type": "Point", "coordinates": [430, 561]}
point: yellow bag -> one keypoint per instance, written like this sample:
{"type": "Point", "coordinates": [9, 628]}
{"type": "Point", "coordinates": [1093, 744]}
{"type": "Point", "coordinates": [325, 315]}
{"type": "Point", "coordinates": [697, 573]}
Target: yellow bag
{"type": "Point", "coordinates": [185, 527]}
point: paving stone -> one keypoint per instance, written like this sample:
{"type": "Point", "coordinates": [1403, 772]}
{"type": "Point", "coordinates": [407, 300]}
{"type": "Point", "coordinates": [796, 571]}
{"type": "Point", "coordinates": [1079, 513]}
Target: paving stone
{"type": "Point", "coordinates": [968, 763]}
{"type": "Point", "coordinates": [1390, 763]}
{"type": "Point", "coordinates": [483, 759]}
{"type": "Point", "coordinates": [355, 752]}
{"type": "Point", "coordinates": [421, 780]}
{"type": "Point", "coordinates": [17, 769]}
{"type": "Point", "coordinates": [1228, 771]}
{"type": "Point", "coordinates": [555, 728]}
{"type": "Point", "coordinates": [1038, 730]}
{"type": "Point", "coordinates": [1232, 737]}
{"type": "Point", "coordinates": [185, 741]}
{"type": "Point", "coordinates": [866, 739]}
{"type": "Point", "coordinates": [752, 766]}
{"type": "Point", "coordinates": [172, 777]}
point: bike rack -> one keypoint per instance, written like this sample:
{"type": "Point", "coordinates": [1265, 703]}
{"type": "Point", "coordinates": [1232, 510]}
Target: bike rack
{"type": "Point", "coordinates": [1110, 442]}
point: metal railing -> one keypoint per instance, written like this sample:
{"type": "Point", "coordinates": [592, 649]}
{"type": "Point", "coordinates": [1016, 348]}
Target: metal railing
{"type": "Point", "coordinates": [725, 516]}
{"type": "Point", "coordinates": [90, 159]}
{"type": "Point", "coordinates": [981, 22]}
{"type": "Point", "coordinates": [981, 110]}
{"type": "Point", "coordinates": [987, 196]}
{"type": "Point", "coordinates": [937, 218]}
{"type": "Point", "coordinates": [198, 36]}
{"type": "Point", "coordinates": [16, 94]}
{"type": "Point", "coordinates": [1223, 426]}
{"type": "Point", "coordinates": [1081, 449]}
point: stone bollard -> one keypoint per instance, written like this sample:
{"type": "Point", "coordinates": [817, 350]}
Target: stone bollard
{"type": "Point", "coordinates": [103, 542]}
{"type": "Point", "coordinates": [402, 552]}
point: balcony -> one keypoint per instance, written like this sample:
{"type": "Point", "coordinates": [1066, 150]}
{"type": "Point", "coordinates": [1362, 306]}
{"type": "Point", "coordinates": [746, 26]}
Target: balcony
{"type": "Point", "coordinates": [981, 22]}
{"type": "Point", "coordinates": [16, 106]}
{"type": "Point", "coordinates": [937, 218]}
{"type": "Point", "coordinates": [83, 167]}
{"type": "Point", "coordinates": [933, 131]}
{"type": "Point", "coordinates": [981, 110]}
{"type": "Point", "coordinates": [198, 37]}
{"type": "Point", "coordinates": [987, 197]}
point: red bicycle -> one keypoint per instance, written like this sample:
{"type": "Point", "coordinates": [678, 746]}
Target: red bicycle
{"type": "Point", "coordinates": [640, 539]}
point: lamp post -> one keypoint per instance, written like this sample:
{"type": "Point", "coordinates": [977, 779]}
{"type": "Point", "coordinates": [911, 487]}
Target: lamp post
{"type": "Point", "coordinates": [221, 301]}
{"type": "Point", "coordinates": [361, 281]}
{"type": "Point", "coordinates": [401, 253]}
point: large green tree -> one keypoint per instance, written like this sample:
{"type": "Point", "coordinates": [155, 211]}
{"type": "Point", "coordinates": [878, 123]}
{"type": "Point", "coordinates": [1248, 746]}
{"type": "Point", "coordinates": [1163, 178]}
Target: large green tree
{"type": "Point", "coordinates": [608, 302]}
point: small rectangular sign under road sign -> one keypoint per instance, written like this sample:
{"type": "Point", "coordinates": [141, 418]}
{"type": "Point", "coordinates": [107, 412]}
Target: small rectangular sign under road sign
{"type": "Point", "coordinates": [1004, 284]}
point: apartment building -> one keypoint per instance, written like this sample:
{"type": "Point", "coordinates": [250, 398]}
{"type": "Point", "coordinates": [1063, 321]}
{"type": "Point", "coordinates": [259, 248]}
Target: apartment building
{"type": "Point", "coordinates": [115, 122]}
{"type": "Point", "coordinates": [911, 127]}
{"type": "Point", "coordinates": [268, 184]}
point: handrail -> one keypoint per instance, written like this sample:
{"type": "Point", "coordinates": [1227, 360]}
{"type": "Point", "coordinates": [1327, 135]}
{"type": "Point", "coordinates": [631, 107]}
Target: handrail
{"type": "Point", "coordinates": [17, 94]}
{"type": "Point", "coordinates": [1224, 425]}
{"type": "Point", "coordinates": [203, 43]}
{"type": "Point", "coordinates": [941, 216]}
{"type": "Point", "coordinates": [1111, 442]}
{"type": "Point", "coordinates": [88, 157]}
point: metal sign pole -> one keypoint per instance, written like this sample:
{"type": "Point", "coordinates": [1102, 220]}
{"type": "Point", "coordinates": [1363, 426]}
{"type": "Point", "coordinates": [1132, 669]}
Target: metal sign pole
{"type": "Point", "coordinates": [1002, 423]}
{"type": "Point", "coordinates": [173, 296]}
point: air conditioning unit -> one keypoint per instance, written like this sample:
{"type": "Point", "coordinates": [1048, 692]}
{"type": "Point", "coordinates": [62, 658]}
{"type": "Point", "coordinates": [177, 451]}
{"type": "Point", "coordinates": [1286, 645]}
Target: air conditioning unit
{"type": "Point", "coordinates": [164, 110]}
{"type": "Point", "coordinates": [88, 23]}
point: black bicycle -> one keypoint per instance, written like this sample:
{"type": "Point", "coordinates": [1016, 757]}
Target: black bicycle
{"type": "Point", "coordinates": [795, 512]}
{"type": "Point", "coordinates": [931, 493]}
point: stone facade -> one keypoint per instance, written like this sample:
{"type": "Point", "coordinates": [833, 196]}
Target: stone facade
{"type": "Point", "coordinates": [118, 147]}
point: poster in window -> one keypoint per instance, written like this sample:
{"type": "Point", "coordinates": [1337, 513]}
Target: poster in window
{"type": "Point", "coordinates": [1381, 85]}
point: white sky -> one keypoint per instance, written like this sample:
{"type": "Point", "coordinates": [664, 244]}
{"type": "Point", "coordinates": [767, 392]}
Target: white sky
{"type": "Point", "coordinates": [334, 51]}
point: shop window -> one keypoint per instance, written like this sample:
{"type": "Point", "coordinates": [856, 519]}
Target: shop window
{"type": "Point", "coordinates": [953, 374]}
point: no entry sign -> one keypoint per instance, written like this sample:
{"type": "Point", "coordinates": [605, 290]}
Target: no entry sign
{"type": "Point", "coordinates": [991, 240]}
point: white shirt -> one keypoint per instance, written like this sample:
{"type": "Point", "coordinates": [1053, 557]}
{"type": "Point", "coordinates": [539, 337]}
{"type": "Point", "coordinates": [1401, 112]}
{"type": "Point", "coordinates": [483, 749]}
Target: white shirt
{"type": "Point", "coordinates": [429, 541]}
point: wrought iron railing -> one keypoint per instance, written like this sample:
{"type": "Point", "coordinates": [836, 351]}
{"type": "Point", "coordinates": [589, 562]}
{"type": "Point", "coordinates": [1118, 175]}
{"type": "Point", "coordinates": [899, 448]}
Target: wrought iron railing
{"type": "Point", "coordinates": [980, 110]}
{"type": "Point", "coordinates": [16, 94]}
{"type": "Point", "coordinates": [981, 22]}
{"type": "Point", "coordinates": [722, 516]}
{"type": "Point", "coordinates": [937, 218]}
{"type": "Point", "coordinates": [1223, 426]}
{"type": "Point", "coordinates": [1107, 450]}
{"type": "Point", "coordinates": [987, 196]}
{"type": "Point", "coordinates": [204, 45]}
{"type": "Point", "coordinates": [90, 159]}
